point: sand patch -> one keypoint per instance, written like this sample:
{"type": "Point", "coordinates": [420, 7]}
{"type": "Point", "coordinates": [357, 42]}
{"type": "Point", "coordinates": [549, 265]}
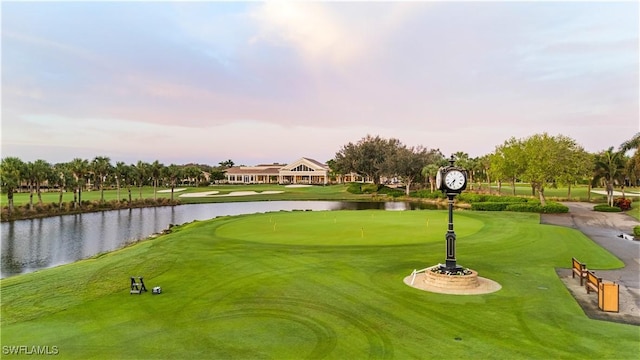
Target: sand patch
{"type": "Point", "coordinates": [297, 186]}
{"type": "Point", "coordinates": [616, 193]}
{"type": "Point", "coordinates": [247, 193]}
{"type": "Point", "coordinates": [199, 194]}
{"type": "Point", "coordinates": [174, 190]}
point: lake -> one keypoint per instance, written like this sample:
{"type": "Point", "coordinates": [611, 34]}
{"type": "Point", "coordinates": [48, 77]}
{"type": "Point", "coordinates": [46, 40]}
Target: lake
{"type": "Point", "coordinates": [30, 245]}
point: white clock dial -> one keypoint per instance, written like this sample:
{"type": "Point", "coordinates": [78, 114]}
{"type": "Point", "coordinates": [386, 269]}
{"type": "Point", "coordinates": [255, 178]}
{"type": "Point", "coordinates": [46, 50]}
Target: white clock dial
{"type": "Point", "coordinates": [454, 180]}
{"type": "Point", "coordinates": [439, 179]}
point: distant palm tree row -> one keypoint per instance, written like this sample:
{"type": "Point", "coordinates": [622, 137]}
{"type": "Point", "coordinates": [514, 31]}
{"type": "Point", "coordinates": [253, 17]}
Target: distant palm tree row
{"type": "Point", "coordinates": [80, 174]}
{"type": "Point", "coordinates": [540, 160]}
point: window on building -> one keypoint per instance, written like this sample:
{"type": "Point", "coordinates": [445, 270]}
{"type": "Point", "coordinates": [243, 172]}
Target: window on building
{"type": "Point", "coordinates": [302, 167]}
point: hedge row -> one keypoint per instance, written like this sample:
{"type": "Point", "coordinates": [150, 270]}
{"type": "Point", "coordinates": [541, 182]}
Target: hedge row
{"type": "Point", "coordinates": [533, 206]}
{"type": "Point", "coordinates": [66, 208]}
{"type": "Point", "coordinates": [482, 198]}
{"type": "Point", "coordinates": [427, 194]}
{"type": "Point", "coordinates": [358, 188]}
{"type": "Point", "coordinates": [550, 208]}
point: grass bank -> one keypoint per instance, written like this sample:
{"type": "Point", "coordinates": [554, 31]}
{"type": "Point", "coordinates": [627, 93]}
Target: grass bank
{"type": "Point", "coordinates": [291, 285]}
{"type": "Point", "coordinates": [142, 197]}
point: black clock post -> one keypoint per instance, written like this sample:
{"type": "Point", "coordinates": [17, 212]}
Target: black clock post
{"type": "Point", "coordinates": [451, 278]}
{"type": "Point", "coordinates": [452, 181]}
{"type": "Point", "coordinates": [450, 262]}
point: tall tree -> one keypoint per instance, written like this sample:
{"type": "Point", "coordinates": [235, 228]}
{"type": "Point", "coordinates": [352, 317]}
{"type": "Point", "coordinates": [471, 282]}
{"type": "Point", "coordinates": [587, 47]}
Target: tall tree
{"type": "Point", "coordinates": [80, 168]}
{"type": "Point", "coordinates": [101, 166]}
{"type": "Point", "coordinates": [547, 157]}
{"type": "Point", "coordinates": [633, 164]}
{"type": "Point", "coordinates": [62, 177]}
{"type": "Point", "coordinates": [29, 176]}
{"type": "Point", "coordinates": [226, 164]}
{"type": "Point", "coordinates": [483, 175]}
{"type": "Point", "coordinates": [120, 171]}
{"type": "Point", "coordinates": [192, 173]}
{"type": "Point", "coordinates": [12, 171]}
{"type": "Point", "coordinates": [577, 168]}
{"type": "Point", "coordinates": [464, 161]}
{"type": "Point", "coordinates": [430, 172]}
{"type": "Point", "coordinates": [368, 157]}
{"type": "Point", "coordinates": [609, 167]}
{"type": "Point", "coordinates": [41, 173]}
{"type": "Point", "coordinates": [155, 170]}
{"type": "Point", "coordinates": [408, 162]}
{"type": "Point", "coordinates": [142, 173]}
{"type": "Point", "coordinates": [173, 173]}
{"type": "Point", "coordinates": [508, 162]}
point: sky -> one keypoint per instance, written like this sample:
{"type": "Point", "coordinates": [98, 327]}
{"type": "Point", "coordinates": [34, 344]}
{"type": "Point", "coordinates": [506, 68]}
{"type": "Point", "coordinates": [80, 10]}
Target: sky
{"type": "Point", "coordinates": [265, 82]}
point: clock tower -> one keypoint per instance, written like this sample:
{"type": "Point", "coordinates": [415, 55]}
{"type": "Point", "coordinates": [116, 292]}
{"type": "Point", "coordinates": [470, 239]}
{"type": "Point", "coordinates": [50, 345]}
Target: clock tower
{"type": "Point", "coordinates": [451, 180]}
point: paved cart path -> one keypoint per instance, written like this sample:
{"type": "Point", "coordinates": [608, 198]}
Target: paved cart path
{"type": "Point", "coordinates": [604, 229]}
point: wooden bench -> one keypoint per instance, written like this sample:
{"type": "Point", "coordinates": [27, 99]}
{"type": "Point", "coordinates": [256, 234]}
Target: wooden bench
{"type": "Point", "coordinates": [579, 269]}
{"type": "Point", "coordinates": [592, 282]}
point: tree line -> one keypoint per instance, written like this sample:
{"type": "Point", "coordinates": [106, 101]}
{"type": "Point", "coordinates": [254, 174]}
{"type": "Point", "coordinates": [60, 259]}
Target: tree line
{"type": "Point", "coordinates": [78, 174]}
{"type": "Point", "coordinates": [540, 160]}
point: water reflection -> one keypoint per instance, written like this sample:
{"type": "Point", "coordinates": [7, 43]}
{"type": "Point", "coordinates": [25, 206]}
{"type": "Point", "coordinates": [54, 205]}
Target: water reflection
{"type": "Point", "coordinates": [29, 245]}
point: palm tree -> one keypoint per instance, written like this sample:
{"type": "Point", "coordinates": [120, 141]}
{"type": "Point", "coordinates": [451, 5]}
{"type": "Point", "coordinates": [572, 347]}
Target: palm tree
{"type": "Point", "coordinates": [129, 177]}
{"type": "Point", "coordinates": [11, 175]}
{"type": "Point", "coordinates": [429, 172]}
{"type": "Point", "coordinates": [633, 165]}
{"type": "Point", "coordinates": [101, 166]}
{"type": "Point", "coordinates": [173, 173]}
{"type": "Point", "coordinates": [41, 170]}
{"type": "Point", "coordinates": [633, 143]}
{"type": "Point", "coordinates": [226, 164]}
{"type": "Point", "coordinates": [155, 170]}
{"type": "Point", "coordinates": [192, 172]}
{"type": "Point", "coordinates": [29, 176]}
{"type": "Point", "coordinates": [609, 166]}
{"type": "Point", "coordinates": [62, 177]}
{"type": "Point", "coordinates": [142, 170]}
{"type": "Point", "coordinates": [79, 169]}
{"type": "Point", "coordinates": [119, 172]}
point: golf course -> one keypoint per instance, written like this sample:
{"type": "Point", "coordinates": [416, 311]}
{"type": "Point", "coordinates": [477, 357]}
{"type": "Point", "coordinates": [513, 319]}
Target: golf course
{"type": "Point", "coordinates": [325, 284]}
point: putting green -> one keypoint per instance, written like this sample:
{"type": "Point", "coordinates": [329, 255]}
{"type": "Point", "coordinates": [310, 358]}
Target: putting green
{"type": "Point", "coordinates": [364, 227]}
{"type": "Point", "coordinates": [319, 285]}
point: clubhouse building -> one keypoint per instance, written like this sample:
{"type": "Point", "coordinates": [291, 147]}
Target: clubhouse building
{"type": "Point", "coordinates": [302, 171]}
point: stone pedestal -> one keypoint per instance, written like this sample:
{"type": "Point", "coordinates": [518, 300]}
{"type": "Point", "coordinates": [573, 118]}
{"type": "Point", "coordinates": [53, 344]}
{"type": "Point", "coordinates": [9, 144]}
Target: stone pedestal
{"type": "Point", "coordinates": [467, 284]}
{"type": "Point", "coordinates": [451, 282]}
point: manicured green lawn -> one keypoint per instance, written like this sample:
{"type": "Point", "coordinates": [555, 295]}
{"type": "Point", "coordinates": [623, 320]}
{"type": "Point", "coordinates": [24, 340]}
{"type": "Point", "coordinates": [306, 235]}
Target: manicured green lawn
{"type": "Point", "coordinates": [292, 285]}
{"type": "Point", "coordinates": [331, 192]}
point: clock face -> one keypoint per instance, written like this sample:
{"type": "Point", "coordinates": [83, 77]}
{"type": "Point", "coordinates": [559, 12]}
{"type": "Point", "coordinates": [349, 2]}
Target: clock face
{"type": "Point", "coordinates": [439, 179]}
{"type": "Point", "coordinates": [455, 180]}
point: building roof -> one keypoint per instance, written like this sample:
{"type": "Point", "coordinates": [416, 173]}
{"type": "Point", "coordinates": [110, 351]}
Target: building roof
{"type": "Point", "coordinates": [275, 168]}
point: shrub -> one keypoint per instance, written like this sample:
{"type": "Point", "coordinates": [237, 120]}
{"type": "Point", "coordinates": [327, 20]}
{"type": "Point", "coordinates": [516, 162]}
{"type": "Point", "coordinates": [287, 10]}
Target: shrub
{"type": "Point", "coordinates": [355, 188]}
{"type": "Point", "coordinates": [525, 207]}
{"type": "Point", "coordinates": [606, 208]}
{"type": "Point", "coordinates": [622, 203]}
{"type": "Point", "coordinates": [554, 208]}
{"type": "Point", "coordinates": [489, 206]}
{"type": "Point", "coordinates": [369, 188]}
{"type": "Point", "coordinates": [390, 192]}
{"type": "Point", "coordinates": [427, 194]}
{"type": "Point", "coordinates": [535, 206]}
{"type": "Point", "coordinates": [636, 231]}
{"type": "Point", "coordinates": [480, 198]}
{"type": "Point", "coordinates": [473, 198]}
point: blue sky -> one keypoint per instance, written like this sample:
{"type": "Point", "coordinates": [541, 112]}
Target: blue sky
{"type": "Point", "coordinates": [270, 82]}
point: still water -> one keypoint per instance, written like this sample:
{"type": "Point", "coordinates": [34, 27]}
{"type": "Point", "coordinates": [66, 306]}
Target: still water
{"type": "Point", "coordinates": [30, 245]}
